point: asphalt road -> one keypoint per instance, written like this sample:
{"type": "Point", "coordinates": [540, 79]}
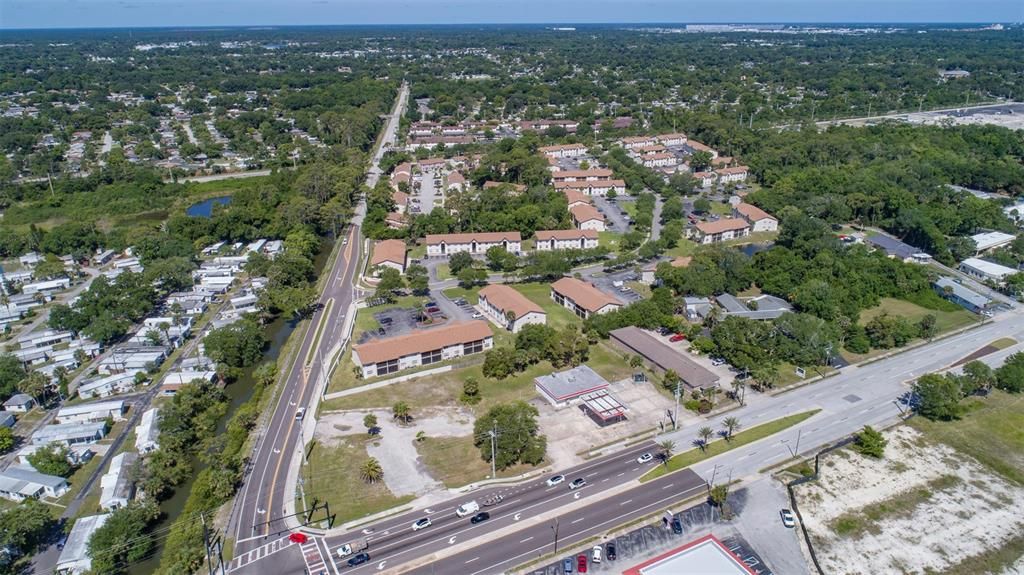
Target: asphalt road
{"type": "Point", "coordinates": [260, 503]}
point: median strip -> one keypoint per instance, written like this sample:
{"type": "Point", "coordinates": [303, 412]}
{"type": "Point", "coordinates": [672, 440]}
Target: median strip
{"type": "Point", "coordinates": [693, 456]}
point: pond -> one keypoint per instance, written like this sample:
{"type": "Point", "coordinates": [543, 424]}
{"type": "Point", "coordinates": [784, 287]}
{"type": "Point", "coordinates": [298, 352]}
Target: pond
{"type": "Point", "coordinates": [204, 209]}
{"type": "Point", "coordinates": [751, 249]}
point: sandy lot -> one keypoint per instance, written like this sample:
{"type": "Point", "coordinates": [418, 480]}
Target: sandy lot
{"type": "Point", "coordinates": [921, 509]}
{"type": "Point", "coordinates": [396, 446]}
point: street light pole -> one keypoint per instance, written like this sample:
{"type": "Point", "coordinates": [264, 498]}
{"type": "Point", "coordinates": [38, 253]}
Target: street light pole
{"type": "Point", "coordinates": [555, 528]}
{"type": "Point", "coordinates": [675, 414]}
{"type": "Point", "coordinates": [494, 450]}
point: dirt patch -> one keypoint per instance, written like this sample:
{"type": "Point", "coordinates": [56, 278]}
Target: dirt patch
{"type": "Point", "coordinates": [924, 508]}
{"type": "Point", "coordinates": [977, 355]}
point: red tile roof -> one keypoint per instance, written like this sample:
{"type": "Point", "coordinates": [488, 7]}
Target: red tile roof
{"type": "Point", "coordinates": [584, 294]}
{"type": "Point", "coordinates": [420, 341]}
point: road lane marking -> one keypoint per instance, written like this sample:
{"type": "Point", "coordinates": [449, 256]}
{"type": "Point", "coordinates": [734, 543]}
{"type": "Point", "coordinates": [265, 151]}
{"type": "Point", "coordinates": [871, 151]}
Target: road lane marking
{"type": "Point", "coordinates": [667, 486]}
{"type": "Point", "coordinates": [626, 502]}
{"type": "Point", "coordinates": [472, 560]}
{"type": "Point", "coordinates": [578, 520]}
{"type": "Point", "coordinates": [525, 540]}
{"type": "Point", "coordinates": [605, 479]}
{"type": "Point", "coordinates": [621, 474]}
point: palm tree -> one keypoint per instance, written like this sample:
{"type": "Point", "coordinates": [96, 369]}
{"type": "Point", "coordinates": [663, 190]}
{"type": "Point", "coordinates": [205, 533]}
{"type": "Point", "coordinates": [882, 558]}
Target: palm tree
{"type": "Point", "coordinates": [737, 390]}
{"type": "Point", "coordinates": [731, 424]}
{"type": "Point", "coordinates": [667, 447]}
{"type": "Point", "coordinates": [400, 411]}
{"type": "Point", "coordinates": [34, 384]}
{"type": "Point", "coordinates": [705, 433]}
{"type": "Point", "coordinates": [371, 471]}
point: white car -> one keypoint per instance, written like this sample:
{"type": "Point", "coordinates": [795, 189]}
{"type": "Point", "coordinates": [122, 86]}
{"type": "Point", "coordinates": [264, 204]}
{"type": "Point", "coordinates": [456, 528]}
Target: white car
{"type": "Point", "coordinates": [577, 483]}
{"type": "Point", "coordinates": [556, 479]}
{"type": "Point", "coordinates": [647, 457]}
{"type": "Point", "coordinates": [421, 524]}
{"type": "Point", "coordinates": [788, 519]}
{"type": "Point", "coordinates": [478, 315]}
{"type": "Point", "coordinates": [595, 556]}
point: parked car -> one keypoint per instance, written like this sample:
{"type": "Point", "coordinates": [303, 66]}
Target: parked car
{"type": "Point", "coordinates": [677, 337]}
{"type": "Point", "coordinates": [433, 309]}
{"type": "Point", "coordinates": [581, 563]}
{"type": "Point", "coordinates": [717, 361]}
{"type": "Point", "coordinates": [677, 525]}
{"type": "Point", "coordinates": [577, 483]}
{"type": "Point", "coordinates": [645, 458]}
{"type": "Point", "coordinates": [431, 304]}
{"type": "Point", "coordinates": [610, 551]}
{"type": "Point", "coordinates": [358, 559]}
{"type": "Point", "coordinates": [567, 565]}
{"type": "Point", "coordinates": [421, 524]}
{"type": "Point", "coordinates": [555, 479]}
{"type": "Point", "coordinates": [477, 315]}
{"type": "Point", "coordinates": [386, 320]}
{"type": "Point", "coordinates": [595, 554]}
{"type": "Point", "coordinates": [788, 519]}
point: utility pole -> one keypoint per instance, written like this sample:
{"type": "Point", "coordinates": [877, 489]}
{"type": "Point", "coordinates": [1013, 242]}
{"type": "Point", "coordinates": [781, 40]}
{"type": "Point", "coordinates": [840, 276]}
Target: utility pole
{"type": "Point", "coordinates": [494, 450]}
{"type": "Point", "coordinates": [675, 415]}
{"type": "Point", "coordinates": [206, 544]}
{"type": "Point", "coordinates": [555, 527]}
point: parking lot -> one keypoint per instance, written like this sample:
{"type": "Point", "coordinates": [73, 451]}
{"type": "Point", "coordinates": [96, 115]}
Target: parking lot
{"type": "Point", "coordinates": [615, 216]}
{"type": "Point", "coordinates": [400, 321]}
{"type": "Point", "coordinates": [656, 538]}
{"type": "Point", "coordinates": [458, 308]}
{"type": "Point", "coordinates": [614, 284]}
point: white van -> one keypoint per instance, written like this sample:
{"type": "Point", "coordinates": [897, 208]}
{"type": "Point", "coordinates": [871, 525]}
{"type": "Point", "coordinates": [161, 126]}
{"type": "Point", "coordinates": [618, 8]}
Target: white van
{"type": "Point", "coordinates": [467, 508]}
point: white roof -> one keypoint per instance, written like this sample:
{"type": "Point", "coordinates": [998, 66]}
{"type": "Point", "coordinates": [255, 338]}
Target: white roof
{"type": "Point", "coordinates": [65, 431]}
{"type": "Point", "coordinates": [989, 240]}
{"type": "Point", "coordinates": [90, 408]}
{"type": "Point", "coordinates": [988, 268]}
{"type": "Point", "coordinates": [147, 431]}
{"type": "Point", "coordinates": [75, 555]}
{"type": "Point", "coordinates": [111, 380]}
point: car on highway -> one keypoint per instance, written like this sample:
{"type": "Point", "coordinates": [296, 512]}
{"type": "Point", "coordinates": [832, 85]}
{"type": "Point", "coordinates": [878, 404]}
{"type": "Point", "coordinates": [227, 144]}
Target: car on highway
{"type": "Point", "coordinates": [358, 559]}
{"type": "Point", "coordinates": [577, 483]}
{"type": "Point", "coordinates": [610, 551]}
{"type": "Point", "coordinates": [300, 413]}
{"type": "Point", "coordinates": [567, 565]}
{"type": "Point", "coordinates": [555, 479]}
{"type": "Point", "coordinates": [480, 517]}
{"type": "Point", "coordinates": [421, 524]}
{"type": "Point", "coordinates": [595, 554]}
{"type": "Point", "coordinates": [787, 518]}
{"type": "Point", "coordinates": [645, 458]}
{"type": "Point", "coordinates": [581, 563]}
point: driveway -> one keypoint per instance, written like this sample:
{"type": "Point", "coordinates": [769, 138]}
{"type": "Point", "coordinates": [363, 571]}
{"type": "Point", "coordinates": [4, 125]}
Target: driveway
{"type": "Point", "coordinates": [757, 505]}
{"type": "Point", "coordinates": [429, 195]}
{"type": "Point", "coordinates": [615, 218]}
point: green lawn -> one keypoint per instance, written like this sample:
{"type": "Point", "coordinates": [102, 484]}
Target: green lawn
{"type": "Point", "coordinates": [1003, 343]}
{"type": "Point", "coordinates": [456, 462]}
{"type": "Point", "coordinates": [418, 251]}
{"type": "Point", "coordinates": [721, 209]}
{"type": "Point", "coordinates": [720, 446]}
{"type": "Point", "coordinates": [609, 240]}
{"type": "Point", "coordinates": [444, 389]}
{"type": "Point", "coordinates": [685, 247]}
{"type": "Point", "coordinates": [540, 294]}
{"type": "Point", "coordinates": [334, 478]}
{"type": "Point", "coordinates": [754, 238]}
{"type": "Point", "coordinates": [946, 319]}
{"type": "Point", "coordinates": [992, 432]}
{"type": "Point", "coordinates": [629, 208]}
{"type": "Point", "coordinates": [443, 272]}
{"type": "Point", "coordinates": [468, 294]}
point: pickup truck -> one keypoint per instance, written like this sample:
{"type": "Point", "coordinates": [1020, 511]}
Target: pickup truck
{"type": "Point", "coordinates": [468, 508]}
{"type": "Point", "coordinates": [353, 547]}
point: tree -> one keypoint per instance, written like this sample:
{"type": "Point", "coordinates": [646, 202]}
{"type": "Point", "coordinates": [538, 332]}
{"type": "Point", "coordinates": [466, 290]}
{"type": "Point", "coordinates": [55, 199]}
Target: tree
{"type": "Point", "coordinates": [237, 345]}
{"type": "Point", "coordinates": [704, 435]}
{"type": "Point", "coordinates": [7, 440]}
{"type": "Point", "coordinates": [34, 384]}
{"type": "Point", "coordinates": [121, 541]}
{"type": "Point", "coordinates": [11, 373]}
{"type": "Point", "coordinates": [416, 278]}
{"type": "Point", "coordinates": [52, 459]}
{"type": "Point", "coordinates": [731, 424]}
{"type": "Point", "coordinates": [369, 421]}
{"type": "Point", "coordinates": [719, 495]}
{"type": "Point", "coordinates": [471, 391]}
{"type": "Point", "coordinates": [371, 471]}
{"type": "Point", "coordinates": [501, 260]}
{"type": "Point", "coordinates": [470, 276]}
{"type": "Point", "coordinates": [500, 362]}
{"type": "Point", "coordinates": [927, 328]}
{"type": "Point", "coordinates": [390, 281]}
{"type": "Point", "coordinates": [1010, 376]}
{"type": "Point", "coordinates": [518, 439]}
{"type": "Point", "coordinates": [670, 380]}
{"type": "Point", "coordinates": [26, 526]}
{"type": "Point", "coordinates": [700, 161]}
{"type": "Point", "coordinates": [459, 261]}
{"type": "Point", "coordinates": [401, 411]}
{"type": "Point", "coordinates": [977, 376]}
{"type": "Point", "coordinates": [870, 443]}
{"type": "Point", "coordinates": [667, 448]}
{"type": "Point", "coordinates": [635, 361]}
{"type": "Point", "coordinates": [938, 397]}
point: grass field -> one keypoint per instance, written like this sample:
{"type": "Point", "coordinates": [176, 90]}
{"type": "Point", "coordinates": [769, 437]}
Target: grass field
{"type": "Point", "coordinates": [1003, 343]}
{"type": "Point", "coordinates": [992, 432]}
{"type": "Point", "coordinates": [685, 247]}
{"type": "Point", "coordinates": [468, 294]}
{"type": "Point", "coordinates": [946, 319]}
{"type": "Point", "coordinates": [609, 240]}
{"type": "Point", "coordinates": [754, 238]}
{"type": "Point", "coordinates": [444, 389]}
{"type": "Point", "coordinates": [335, 479]}
{"type": "Point", "coordinates": [455, 461]}
{"type": "Point", "coordinates": [720, 446]}
{"type": "Point", "coordinates": [721, 209]}
{"type": "Point", "coordinates": [540, 294]}
{"type": "Point", "coordinates": [443, 272]}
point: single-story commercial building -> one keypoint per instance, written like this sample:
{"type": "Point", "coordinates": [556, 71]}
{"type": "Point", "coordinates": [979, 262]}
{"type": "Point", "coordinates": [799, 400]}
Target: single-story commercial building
{"type": "Point", "coordinates": [74, 558]}
{"type": "Point", "coordinates": [444, 245]}
{"type": "Point", "coordinates": [547, 240]}
{"type": "Point", "coordinates": [764, 306]}
{"type": "Point", "coordinates": [986, 270]}
{"type": "Point", "coordinates": [20, 483]}
{"type": "Point", "coordinates": [92, 412]}
{"type": "Point", "coordinates": [991, 240]}
{"type": "Point", "coordinates": [707, 556]}
{"type": "Point", "coordinates": [897, 249]}
{"type": "Point", "coordinates": [422, 347]}
{"type": "Point", "coordinates": [603, 407]}
{"type": "Point", "coordinates": [564, 387]}
{"type": "Point", "coordinates": [962, 295]}
{"type": "Point", "coordinates": [389, 254]}
{"type": "Point", "coordinates": [662, 357]}
{"type": "Point", "coordinates": [509, 308]}
{"type": "Point", "coordinates": [582, 298]}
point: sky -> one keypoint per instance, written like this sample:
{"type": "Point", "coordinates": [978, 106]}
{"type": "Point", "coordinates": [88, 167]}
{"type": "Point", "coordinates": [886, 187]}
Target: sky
{"type": "Point", "coordinates": [161, 13]}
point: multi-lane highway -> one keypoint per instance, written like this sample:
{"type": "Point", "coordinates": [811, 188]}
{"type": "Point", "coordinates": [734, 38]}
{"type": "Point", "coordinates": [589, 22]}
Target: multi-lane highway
{"type": "Point", "coordinates": [260, 506]}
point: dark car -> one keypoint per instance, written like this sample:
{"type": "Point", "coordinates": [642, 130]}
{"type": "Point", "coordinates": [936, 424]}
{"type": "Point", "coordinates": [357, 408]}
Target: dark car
{"type": "Point", "coordinates": [358, 559]}
{"type": "Point", "coordinates": [609, 551]}
{"type": "Point", "coordinates": [480, 517]}
{"type": "Point", "coordinates": [431, 304]}
{"type": "Point", "coordinates": [677, 525]}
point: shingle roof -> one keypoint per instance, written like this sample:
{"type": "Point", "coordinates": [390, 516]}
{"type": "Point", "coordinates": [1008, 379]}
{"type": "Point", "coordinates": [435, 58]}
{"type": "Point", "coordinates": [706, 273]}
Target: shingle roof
{"type": "Point", "coordinates": [507, 299]}
{"type": "Point", "coordinates": [388, 251]}
{"type": "Point", "coordinates": [722, 225]}
{"type": "Point", "coordinates": [421, 341]}
{"type": "Point", "coordinates": [565, 234]}
{"type": "Point", "coordinates": [480, 237]}
{"type": "Point", "coordinates": [585, 213]}
{"type": "Point", "coordinates": [599, 173]}
{"type": "Point", "coordinates": [752, 213]}
{"type": "Point", "coordinates": [584, 294]}
{"type": "Point", "coordinates": [666, 358]}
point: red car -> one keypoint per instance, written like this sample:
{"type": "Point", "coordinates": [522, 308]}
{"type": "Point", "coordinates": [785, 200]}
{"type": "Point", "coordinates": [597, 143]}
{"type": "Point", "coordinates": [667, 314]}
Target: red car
{"type": "Point", "coordinates": [581, 563]}
{"type": "Point", "coordinates": [677, 337]}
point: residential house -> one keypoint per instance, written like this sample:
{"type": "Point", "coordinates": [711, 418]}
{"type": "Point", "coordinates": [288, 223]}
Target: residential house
{"type": "Point", "coordinates": [107, 386]}
{"type": "Point", "coordinates": [564, 151]}
{"type": "Point", "coordinates": [117, 489]}
{"type": "Point", "coordinates": [92, 412]}
{"type": "Point", "coordinates": [147, 432]}
{"type": "Point", "coordinates": [694, 146]}
{"type": "Point", "coordinates": [734, 174]}
{"type": "Point", "coordinates": [986, 241]}
{"type": "Point", "coordinates": [634, 142]}
{"type": "Point", "coordinates": [443, 245]}
{"type": "Point", "coordinates": [586, 217]}
{"type": "Point", "coordinates": [590, 175]}
{"type": "Point", "coordinates": [389, 254]}
{"type": "Point", "coordinates": [396, 220]}
{"type": "Point", "coordinates": [721, 230]}
{"type": "Point", "coordinates": [582, 298]}
{"type": "Point", "coordinates": [508, 308]}
{"type": "Point", "coordinates": [422, 347]}
{"type": "Point", "coordinates": [759, 220]}
{"type": "Point", "coordinates": [132, 358]}
{"type": "Point", "coordinates": [705, 179]}
{"type": "Point", "coordinates": [963, 296]}
{"type": "Point", "coordinates": [74, 558]}
{"type": "Point", "coordinates": [21, 483]}
{"type": "Point", "coordinates": [46, 287]}
{"type": "Point", "coordinates": [897, 249]}
{"type": "Point", "coordinates": [579, 239]}
{"type": "Point", "coordinates": [672, 139]}
{"type": "Point", "coordinates": [575, 197]}
{"type": "Point", "coordinates": [593, 187]}
{"type": "Point", "coordinates": [70, 434]}
{"type": "Point", "coordinates": [455, 182]}
{"type": "Point", "coordinates": [762, 307]}
{"type": "Point", "coordinates": [19, 403]}
{"type": "Point", "coordinates": [659, 160]}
